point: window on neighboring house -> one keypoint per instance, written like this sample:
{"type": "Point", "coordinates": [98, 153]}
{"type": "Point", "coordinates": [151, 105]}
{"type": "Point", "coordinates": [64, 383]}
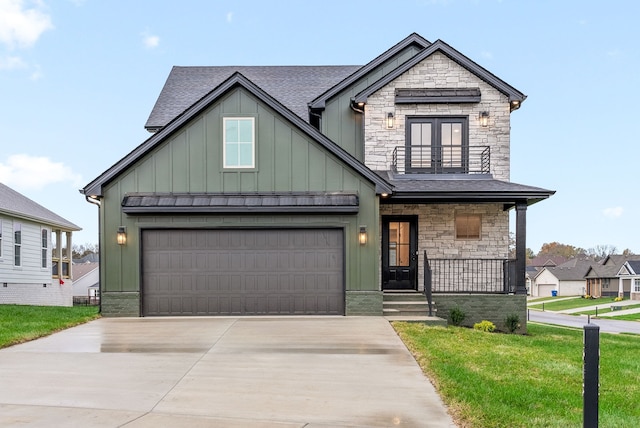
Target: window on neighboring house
{"type": "Point", "coordinates": [468, 226]}
{"type": "Point", "coordinates": [17, 244]}
{"type": "Point", "coordinates": [636, 285]}
{"type": "Point", "coordinates": [437, 144]}
{"type": "Point", "coordinates": [239, 142]}
{"type": "Point", "coordinates": [45, 247]}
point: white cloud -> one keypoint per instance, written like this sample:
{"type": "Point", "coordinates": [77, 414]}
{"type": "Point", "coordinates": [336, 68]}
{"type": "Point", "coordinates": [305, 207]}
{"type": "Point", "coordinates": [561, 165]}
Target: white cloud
{"type": "Point", "coordinates": [150, 41]}
{"type": "Point", "coordinates": [25, 172]}
{"type": "Point", "coordinates": [12, 63]}
{"type": "Point", "coordinates": [614, 52]}
{"type": "Point", "coordinates": [613, 212]}
{"type": "Point", "coordinates": [22, 22]}
{"type": "Point", "coordinates": [229, 16]}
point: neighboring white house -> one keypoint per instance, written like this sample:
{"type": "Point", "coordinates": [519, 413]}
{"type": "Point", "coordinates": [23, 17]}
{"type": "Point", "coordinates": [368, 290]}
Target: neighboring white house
{"type": "Point", "coordinates": [35, 253]}
{"type": "Point", "coordinates": [566, 279]}
{"type": "Point", "coordinates": [86, 278]}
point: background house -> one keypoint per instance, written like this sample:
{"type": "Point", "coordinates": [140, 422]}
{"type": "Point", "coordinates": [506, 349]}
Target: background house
{"type": "Point", "coordinates": [566, 279]}
{"type": "Point", "coordinates": [318, 190]}
{"type": "Point", "coordinates": [607, 278]}
{"type": "Point", "coordinates": [35, 253]}
{"type": "Point", "coordinates": [86, 282]}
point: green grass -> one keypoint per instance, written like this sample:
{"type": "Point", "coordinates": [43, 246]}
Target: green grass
{"type": "Point", "coordinates": [630, 317]}
{"type": "Point", "coordinates": [578, 302]}
{"type": "Point", "coordinates": [493, 380]}
{"type": "Point", "coordinates": [23, 323]}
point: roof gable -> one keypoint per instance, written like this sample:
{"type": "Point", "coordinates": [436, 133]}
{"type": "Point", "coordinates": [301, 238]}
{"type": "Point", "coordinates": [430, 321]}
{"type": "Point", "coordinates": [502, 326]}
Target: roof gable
{"type": "Point", "coordinates": [236, 80]}
{"type": "Point", "coordinates": [17, 205]}
{"type": "Point", "coordinates": [515, 97]}
{"type": "Point", "coordinates": [412, 39]}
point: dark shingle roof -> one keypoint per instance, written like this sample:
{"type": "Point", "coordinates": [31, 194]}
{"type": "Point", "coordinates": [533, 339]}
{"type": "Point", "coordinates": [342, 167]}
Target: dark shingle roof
{"type": "Point", "coordinates": [635, 265]}
{"type": "Point", "coordinates": [18, 205]}
{"type": "Point", "coordinates": [293, 86]}
{"type": "Point", "coordinates": [573, 270]}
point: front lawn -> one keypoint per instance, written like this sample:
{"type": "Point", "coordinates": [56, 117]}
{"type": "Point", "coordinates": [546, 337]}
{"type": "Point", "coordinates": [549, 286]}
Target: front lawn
{"type": "Point", "coordinates": [502, 380]}
{"type": "Point", "coordinates": [23, 323]}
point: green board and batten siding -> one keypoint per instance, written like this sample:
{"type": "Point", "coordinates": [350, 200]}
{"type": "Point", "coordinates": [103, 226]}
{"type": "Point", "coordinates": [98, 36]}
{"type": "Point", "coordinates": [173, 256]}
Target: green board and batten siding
{"type": "Point", "coordinates": [190, 160]}
{"type": "Point", "coordinates": [343, 125]}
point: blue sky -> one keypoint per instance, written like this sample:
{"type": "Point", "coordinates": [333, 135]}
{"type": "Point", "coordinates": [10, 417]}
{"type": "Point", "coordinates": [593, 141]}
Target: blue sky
{"type": "Point", "coordinates": [78, 79]}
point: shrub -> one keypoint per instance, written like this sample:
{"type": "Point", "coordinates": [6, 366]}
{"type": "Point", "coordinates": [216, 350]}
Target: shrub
{"type": "Point", "coordinates": [485, 325]}
{"type": "Point", "coordinates": [512, 322]}
{"type": "Point", "coordinates": [457, 315]}
{"type": "Point", "coordinates": [618, 299]}
{"type": "Point", "coordinates": [586, 296]}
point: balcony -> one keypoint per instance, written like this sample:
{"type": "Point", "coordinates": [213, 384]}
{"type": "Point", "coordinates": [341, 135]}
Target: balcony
{"type": "Point", "coordinates": [441, 160]}
{"type": "Point", "coordinates": [485, 276]}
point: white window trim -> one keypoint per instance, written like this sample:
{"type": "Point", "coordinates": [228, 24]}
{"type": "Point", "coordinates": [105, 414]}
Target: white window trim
{"type": "Point", "coordinates": [44, 256]}
{"type": "Point", "coordinates": [253, 143]}
{"type": "Point", "coordinates": [17, 247]}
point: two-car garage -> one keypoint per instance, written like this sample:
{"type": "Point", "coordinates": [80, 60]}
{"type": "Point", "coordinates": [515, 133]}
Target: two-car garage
{"type": "Point", "coordinates": [242, 272]}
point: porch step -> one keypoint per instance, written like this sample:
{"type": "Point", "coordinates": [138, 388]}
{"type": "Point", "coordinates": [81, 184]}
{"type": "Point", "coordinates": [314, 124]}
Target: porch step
{"type": "Point", "coordinates": [409, 306]}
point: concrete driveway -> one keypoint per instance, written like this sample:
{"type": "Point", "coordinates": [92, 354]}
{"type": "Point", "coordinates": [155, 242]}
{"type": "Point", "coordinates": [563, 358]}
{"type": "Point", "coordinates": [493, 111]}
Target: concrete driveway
{"type": "Point", "coordinates": [218, 372]}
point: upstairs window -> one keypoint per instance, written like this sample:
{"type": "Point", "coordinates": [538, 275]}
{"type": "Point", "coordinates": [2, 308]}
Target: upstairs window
{"type": "Point", "coordinates": [17, 244]}
{"type": "Point", "coordinates": [437, 145]}
{"type": "Point", "coordinates": [239, 142]}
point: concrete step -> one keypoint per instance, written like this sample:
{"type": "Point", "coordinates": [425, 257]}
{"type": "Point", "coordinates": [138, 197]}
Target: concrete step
{"type": "Point", "coordinates": [403, 296]}
{"type": "Point", "coordinates": [407, 311]}
{"type": "Point", "coordinates": [434, 321]}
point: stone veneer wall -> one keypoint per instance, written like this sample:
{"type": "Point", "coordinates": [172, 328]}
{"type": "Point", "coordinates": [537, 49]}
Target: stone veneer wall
{"type": "Point", "coordinates": [437, 71]}
{"type": "Point", "coordinates": [363, 303]}
{"type": "Point", "coordinates": [120, 304]}
{"type": "Point", "coordinates": [44, 294]}
{"type": "Point", "coordinates": [478, 307]}
{"type": "Point", "coordinates": [436, 231]}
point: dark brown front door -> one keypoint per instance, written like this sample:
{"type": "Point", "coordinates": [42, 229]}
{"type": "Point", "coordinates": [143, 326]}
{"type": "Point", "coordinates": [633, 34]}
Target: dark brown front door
{"type": "Point", "coordinates": [399, 252]}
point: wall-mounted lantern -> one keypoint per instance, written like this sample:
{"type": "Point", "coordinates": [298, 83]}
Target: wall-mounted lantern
{"type": "Point", "coordinates": [484, 119]}
{"type": "Point", "coordinates": [121, 236]}
{"type": "Point", "coordinates": [389, 120]}
{"type": "Point", "coordinates": [362, 235]}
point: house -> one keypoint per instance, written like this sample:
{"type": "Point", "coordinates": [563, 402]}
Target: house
{"type": "Point", "coordinates": [631, 270]}
{"type": "Point", "coordinates": [566, 279]}
{"type": "Point", "coordinates": [86, 281]}
{"type": "Point", "coordinates": [318, 190]}
{"type": "Point", "coordinates": [612, 277]}
{"type": "Point", "coordinates": [35, 251]}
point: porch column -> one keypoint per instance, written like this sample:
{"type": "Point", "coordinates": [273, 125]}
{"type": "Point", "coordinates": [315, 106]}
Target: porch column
{"type": "Point", "coordinates": [521, 247]}
{"type": "Point", "coordinates": [620, 287]}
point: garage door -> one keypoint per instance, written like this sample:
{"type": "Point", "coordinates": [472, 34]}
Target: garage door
{"type": "Point", "coordinates": [545, 289]}
{"type": "Point", "coordinates": [243, 272]}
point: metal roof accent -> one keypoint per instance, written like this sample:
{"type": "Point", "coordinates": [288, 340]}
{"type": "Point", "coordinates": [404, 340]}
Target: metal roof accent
{"type": "Point", "coordinates": [412, 39]}
{"type": "Point", "coordinates": [436, 96]}
{"type": "Point", "coordinates": [440, 46]}
{"type": "Point", "coordinates": [236, 80]}
{"type": "Point", "coordinates": [290, 202]}
{"type": "Point", "coordinates": [17, 205]}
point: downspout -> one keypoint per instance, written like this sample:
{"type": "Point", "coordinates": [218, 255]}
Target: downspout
{"type": "Point", "coordinates": [95, 201]}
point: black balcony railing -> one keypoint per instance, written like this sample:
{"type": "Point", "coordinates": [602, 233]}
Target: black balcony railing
{"type": "Point", "coordinates": [441, 160]}
{"type": "Point", "coordinates": [486, 276]}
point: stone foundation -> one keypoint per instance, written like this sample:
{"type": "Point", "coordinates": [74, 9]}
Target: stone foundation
{"type": "Point", "coordinates": [120, 304]}
{"type": "Point", "coordinates": [363, 303]}
{"type": "Point", "coordinates": [478, 307]}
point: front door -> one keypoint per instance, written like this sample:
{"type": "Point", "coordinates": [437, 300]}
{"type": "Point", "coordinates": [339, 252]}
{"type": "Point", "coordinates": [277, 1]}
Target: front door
{"type": "Point", "coordinates": [399, 252]}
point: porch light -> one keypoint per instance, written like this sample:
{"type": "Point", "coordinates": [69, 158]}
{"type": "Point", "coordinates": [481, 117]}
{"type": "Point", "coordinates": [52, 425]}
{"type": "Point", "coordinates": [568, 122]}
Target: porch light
{"type": "Point", "coordinates": [362, 236]}
{"type": "Point", "coordinates": [121, 236]}
{"type": "Point", "coordinates": [484, 119]}
{"type": "Point", "coordinates": [389, 120]}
